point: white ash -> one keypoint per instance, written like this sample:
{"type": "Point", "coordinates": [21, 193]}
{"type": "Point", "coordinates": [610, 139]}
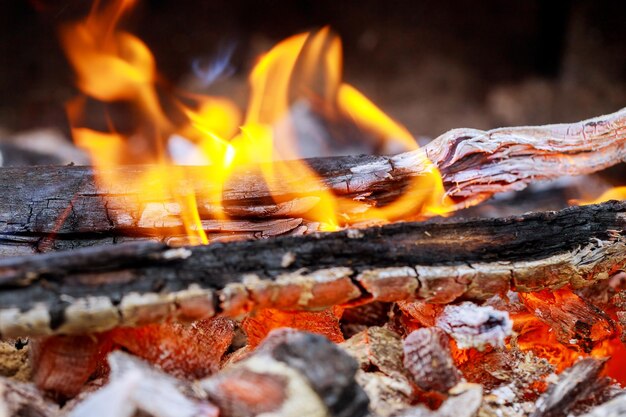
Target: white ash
{"type": "Point", "coordinates": [134, 387]}
{"type": "Point", "coordinates": [474, 326]}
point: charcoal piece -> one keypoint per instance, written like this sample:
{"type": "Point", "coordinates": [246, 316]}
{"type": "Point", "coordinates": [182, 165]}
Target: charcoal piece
{"type": "Point", "coordinates": [302, 373]}
{"type": "Point", "coordinates": [356, 319]}
{"type": "Point", "coordinates": [378, 352]}
{"type": "Point", "coordinates": [464, 401]}
{"type": "Point", "coordinates": [135, 387]}
{"type": "Point", "coordinates": [428, 359]}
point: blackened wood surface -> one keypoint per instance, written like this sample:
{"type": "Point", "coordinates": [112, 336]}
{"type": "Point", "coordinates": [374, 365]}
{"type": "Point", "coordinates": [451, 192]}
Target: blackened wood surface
{"type": "Point", "coordinates": [44, 208]}
{"type": "Point", "coordinates": [114, 271]}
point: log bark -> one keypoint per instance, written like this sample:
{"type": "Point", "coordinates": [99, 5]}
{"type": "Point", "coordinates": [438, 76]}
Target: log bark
{"type": "Point", "coordinates": [95, 289]}
{"type": "Point", "coordinates": [46, 208]}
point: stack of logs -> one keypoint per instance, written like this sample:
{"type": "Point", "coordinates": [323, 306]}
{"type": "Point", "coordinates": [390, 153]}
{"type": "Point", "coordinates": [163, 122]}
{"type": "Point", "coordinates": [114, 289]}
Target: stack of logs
{"type": "Point", "coordinates": [517, 316]}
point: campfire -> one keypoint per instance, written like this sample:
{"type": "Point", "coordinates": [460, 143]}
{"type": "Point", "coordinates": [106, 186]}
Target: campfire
{"type": "Point", "coordinates": [204, 265]}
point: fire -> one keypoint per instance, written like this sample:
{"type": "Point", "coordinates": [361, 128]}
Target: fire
{"type": "Point", "coordinates": [113, 66]}
{"type": "Point", "coordinates": [615, 193]}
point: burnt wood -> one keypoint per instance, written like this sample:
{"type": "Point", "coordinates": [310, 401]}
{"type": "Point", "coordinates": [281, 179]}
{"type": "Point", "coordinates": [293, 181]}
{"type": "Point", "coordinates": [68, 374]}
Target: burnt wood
{"type": "Point", "coordinates": [53, 208]}
{"type": "Point", "coordinates": [102, 287]}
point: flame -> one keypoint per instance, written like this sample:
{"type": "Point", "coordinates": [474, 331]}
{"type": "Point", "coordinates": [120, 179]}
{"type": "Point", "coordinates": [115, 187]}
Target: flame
{"type": "Point", "coordinates": [615, 193]}
{"type": "Point", "coordinates": [113, 66]}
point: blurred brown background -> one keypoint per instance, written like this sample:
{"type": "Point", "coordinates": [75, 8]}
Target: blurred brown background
{"type": "Point", "coordinates": [432, 64]}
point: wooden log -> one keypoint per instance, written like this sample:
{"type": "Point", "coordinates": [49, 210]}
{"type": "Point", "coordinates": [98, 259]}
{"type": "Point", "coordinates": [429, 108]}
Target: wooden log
{"type": "Point", "coordinates": [45, 208]}
{"type": "Point", "coordinates": [94, 289]}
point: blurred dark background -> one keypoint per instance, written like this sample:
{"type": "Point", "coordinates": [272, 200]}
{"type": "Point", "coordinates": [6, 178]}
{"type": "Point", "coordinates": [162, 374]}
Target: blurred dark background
{"type": "Point", "coordinates": [432, 64]}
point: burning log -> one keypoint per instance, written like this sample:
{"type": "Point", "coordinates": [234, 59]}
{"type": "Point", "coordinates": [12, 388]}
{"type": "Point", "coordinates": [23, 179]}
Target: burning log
{"type": "Point", "coordinates": [96, 289]}
{"type": "Point", "coordinates": [67, 203]}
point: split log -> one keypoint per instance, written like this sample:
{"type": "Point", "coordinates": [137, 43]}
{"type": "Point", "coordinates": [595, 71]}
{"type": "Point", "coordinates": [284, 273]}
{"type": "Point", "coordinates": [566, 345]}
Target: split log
{"type": "Point", "coordinates": [94, 289]}
{"type": "Point", "coordinates": [66, 202]}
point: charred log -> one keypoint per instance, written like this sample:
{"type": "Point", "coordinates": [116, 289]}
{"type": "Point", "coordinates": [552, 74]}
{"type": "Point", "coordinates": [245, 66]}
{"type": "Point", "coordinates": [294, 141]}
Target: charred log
{"type": "Point", "coordinates": [95, 289]}
{"type": "Point", "coordinates": [47, 208]}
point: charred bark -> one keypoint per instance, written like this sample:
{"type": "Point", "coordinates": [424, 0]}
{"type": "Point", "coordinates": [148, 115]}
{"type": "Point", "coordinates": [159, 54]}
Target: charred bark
{"type": "Point", "coordinates": [94, 289]}
{"type": "Point", "coordinates": [47, 208]}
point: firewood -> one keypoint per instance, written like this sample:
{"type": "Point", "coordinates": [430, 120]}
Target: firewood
{"type": "Point", "coordinates": [66, 202]}
{"type": "Point", "coordinates": [95, 289]}
{"type": "Point", "coordinates": [428, 359]}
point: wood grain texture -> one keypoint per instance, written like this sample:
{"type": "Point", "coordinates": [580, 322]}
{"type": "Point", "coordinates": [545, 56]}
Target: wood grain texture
{"type": "Point", "coordinates": [99, 288]}
{"type": "Point", "coordinates": [52, 208]}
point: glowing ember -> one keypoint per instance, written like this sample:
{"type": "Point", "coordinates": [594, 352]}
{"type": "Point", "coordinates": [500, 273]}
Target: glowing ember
{"type": "Point", "coordinates": [193, 351]}
{"type": "Point", "coordinates": [259, 324]}
{"type": "Point", "coordinates": [114, 66]}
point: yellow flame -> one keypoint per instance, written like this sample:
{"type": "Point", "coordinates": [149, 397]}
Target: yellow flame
{"type": "Point", "coordinates": [615, 193]}
{"type": "Point", "coordinates": [112, 65]}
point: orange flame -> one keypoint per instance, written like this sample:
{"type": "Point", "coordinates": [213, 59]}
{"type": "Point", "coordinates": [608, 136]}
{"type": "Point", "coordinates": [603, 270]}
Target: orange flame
{"type": "Point", "coordinates": [615, 193]}
{"type": "Point", "coordinates": [114, 66]}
